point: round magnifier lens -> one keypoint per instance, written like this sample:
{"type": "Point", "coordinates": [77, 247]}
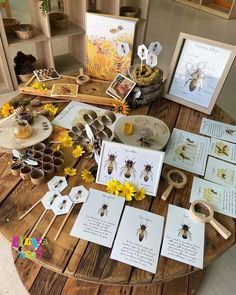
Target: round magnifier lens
{"type": "Point", "coordinates": [176, 177]}
{"type": "Point", "coordinates": [202, 210]}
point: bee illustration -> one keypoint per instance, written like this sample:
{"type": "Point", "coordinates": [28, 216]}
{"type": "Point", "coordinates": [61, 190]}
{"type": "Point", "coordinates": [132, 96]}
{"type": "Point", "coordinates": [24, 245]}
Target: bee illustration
{"type": "Point", "coordinates": [53, 199]}
{"type": "Point", "coordinates": [22, 158]}
{"type": "Point", "coordinates": [142, 232]}
{"type": "Point", "coordinates": [196, 73]}
{"type": "Point", "coordinates": [111, 163]}
{"type": "Point", "coordinates": [103, 210]}
{"type": "Point", "coordinates": [116, 30]}
{"type": "Point", "coordinates": [65, 90]}
{"type": "Point", "coordinates": [58, 183]}
{"type": "Point", "coordinates": [145, 141]}
{"type": "Point", "coordinates": [128, 170]}
{"type": "Point", "coordinates": [189, 140]}
{"type": "Point", "coordinates": [229, 131]}
{"type": "Point", "coordinates": [184, 231]}
{"type": "Point", "coordinates": [78, 195]}
{"type": "Point", "coordinates": [62, 205]}
{"type": "Point", "coordinates": [222, 150]}
{"type": "Point", "coordinates": [147, 172]}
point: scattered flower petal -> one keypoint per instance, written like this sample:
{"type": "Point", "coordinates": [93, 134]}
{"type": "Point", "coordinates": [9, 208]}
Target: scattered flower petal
{"type": "Point", "coordinates": [112, 187]}
{"type": "Point", "coordinates": [140, 194]}
{"type": "Point", "coordinates": [78, 152]}
{"type": "Point", "coordinates": [51, 109]}
{"type": "Point", "coordinates": [127, 190]}
{"type": "Point", "coordinates": [70, 171]}
{"type": "Point", "coordinates": [66, 140]}
{"type": "Point", "coordinates": [87, 176]}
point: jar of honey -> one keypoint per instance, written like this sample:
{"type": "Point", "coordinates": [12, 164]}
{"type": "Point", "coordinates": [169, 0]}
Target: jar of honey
{"type": "Point", "coordinates": [21, 129]}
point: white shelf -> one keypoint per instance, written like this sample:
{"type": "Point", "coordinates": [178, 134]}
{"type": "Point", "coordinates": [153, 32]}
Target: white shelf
{"type": "Point", "coordinates": [67, 64]}
{"type": "Point", "coordinates": [70, 30]}
{"type": "Point", "coordinates": [14, 41]}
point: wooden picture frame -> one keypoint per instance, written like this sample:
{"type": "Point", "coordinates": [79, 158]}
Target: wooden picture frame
{"type": "Point", "coordinates": [142, 167]}
{"type": "Point", "coordinates": [198, 71]}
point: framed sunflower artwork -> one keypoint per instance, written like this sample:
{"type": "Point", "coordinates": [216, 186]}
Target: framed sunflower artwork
{"type": "Point", "coordinates": [109, 45]}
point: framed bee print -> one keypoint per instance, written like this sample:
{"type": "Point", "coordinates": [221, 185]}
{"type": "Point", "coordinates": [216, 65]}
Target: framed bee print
{"type": "Point", "coordinates": [109, 44]}
{"type": "Point", "coordinates": [140, 166]}
{"type": "Point", "coordinates": [198, 71]}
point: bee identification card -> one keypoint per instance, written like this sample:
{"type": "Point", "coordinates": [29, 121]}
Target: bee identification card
{"type": "Point", "coordinates": [98, 218]}
{"type": "Point", "coordinates": [221, 172]}
{"type": "Point", "coordinates": [138, 240]}
{"type": "Point", "coordinates": [223, 150]}
{"type": "Point", "coordinates": [218, 129]}
{"type": "Point", "coordinates": [222, 199]}
{"type": "Point", "coordinates": [187, 151]}
{"type": "Point", "coordinates": [183, 238]}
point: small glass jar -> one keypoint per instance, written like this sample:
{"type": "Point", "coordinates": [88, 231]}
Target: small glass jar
{"type": "Point", "coordinates": [21, 129]}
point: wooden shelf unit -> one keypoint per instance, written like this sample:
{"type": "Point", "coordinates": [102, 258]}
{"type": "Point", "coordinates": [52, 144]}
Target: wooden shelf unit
{"type": "Point", "coordinates": [74, 32]}
{"type": "Point", "coordinates": [226, 10]}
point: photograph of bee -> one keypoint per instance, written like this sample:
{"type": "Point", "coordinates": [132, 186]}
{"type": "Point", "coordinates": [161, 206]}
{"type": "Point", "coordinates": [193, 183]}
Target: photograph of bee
{"type": "Point", "coordinates": [142, 232]}
{"type": "Point", "coordinates": [111, 163]}
{"type": "Point", "coordinates": [62, 205]}
{"type": "Point", "coordinates": [199, 68]}
{"type": "Point", "coordinates": [147, 173]}
{"type": "Point", "coordinates": [128, 169]}
{"type": "Point", "coordinates": [103, 210]}
{"type": "Point", "coordinates": [184, 231]}
{"type": "Point", "coordinates": [57, 183]}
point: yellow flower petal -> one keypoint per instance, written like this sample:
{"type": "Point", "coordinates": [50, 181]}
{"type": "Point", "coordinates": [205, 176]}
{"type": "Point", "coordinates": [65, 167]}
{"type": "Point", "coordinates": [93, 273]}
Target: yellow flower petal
{"type": "Point", "coordinates": [7, 110]}
{"type": "Point", "coordinates": [120, 106]}
{"type": "Point", "coordinates": [66, 140]}
{"type": "Point", "coordinates": [140, 194]}
{"type": "Point", "coordinates": [87, 176]}
{"type": "Point", "coordinates": [70, 171]}
{"type": "Point", "coordinates": [77, 152]}
{"type": "Point", "coordinates": [112, 187]}
{"type": "Point", "coordinates": [51, 109]}
{"type": "Point", "coordinates": [127, 190]}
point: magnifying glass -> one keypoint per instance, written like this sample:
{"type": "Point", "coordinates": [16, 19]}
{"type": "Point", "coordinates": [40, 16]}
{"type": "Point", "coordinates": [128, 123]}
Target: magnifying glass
{"type": "Point", "coordinates": [176, 179]}
{"type": "Point", "coordinates": [203, 212]}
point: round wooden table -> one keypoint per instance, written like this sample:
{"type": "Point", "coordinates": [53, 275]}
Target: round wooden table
{"type": "Point", "coordinates": [73, 266]}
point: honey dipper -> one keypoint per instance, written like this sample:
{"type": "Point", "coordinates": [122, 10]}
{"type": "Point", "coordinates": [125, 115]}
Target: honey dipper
{"type": "Point", "coordinates": [37, 102]}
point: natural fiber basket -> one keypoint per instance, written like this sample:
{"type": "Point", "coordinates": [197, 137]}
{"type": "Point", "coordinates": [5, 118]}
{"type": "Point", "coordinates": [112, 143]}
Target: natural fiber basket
{"type": "Point", "coordinates": [10, 24]}
{"type": "Point", "coordinates": [129, 11]}
{"type": "Point", "coordinates": [24, 31]}
{"type": "Point", "coordinates": [58, 20]}
{"type": "Point", "coordinates": [145, 77]}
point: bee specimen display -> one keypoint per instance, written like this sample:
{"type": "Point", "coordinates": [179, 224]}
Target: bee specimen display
{"type": "Point", "coordinates": [53, 199]}
{"type": "Point", "coordinates": [196, 76]}
{"type": "Point", "coordinates": [58, 183]}
{"type": "Point", "coordinates": [147, 173]}
{"type": "Point", "coordinates": [103, 210]}
{"type": "Point", "coordinates": [62, 205]}
{"type": "Point", "coordinates": [78, 195]}
{"type": "Point", "coordinates": [111, 163]}
{"type": "Point", "coordinates": [142, 232]}
{"type": "Point", "coordinates": [128, 170]}
{"type": "Point", "coordinates": [184, 231]}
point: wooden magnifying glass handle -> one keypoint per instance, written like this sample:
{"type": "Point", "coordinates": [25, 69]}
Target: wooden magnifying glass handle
{"type": "Point", "coordinates": [220, 228]}
{"type": "Point", "coordinates": [166, 193]}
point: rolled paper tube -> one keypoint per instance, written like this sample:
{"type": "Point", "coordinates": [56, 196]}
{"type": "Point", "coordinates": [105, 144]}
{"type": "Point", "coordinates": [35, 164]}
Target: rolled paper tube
{"type": "Point", "coordinates": [93, 128]}
{"type": "Point", "coordinates": [73, 135]}
{"type": "Point", "coordinates": [84, 134]}
{"type": "Point", "coordinates": [58, 164]}
{"type": "Point", "coordinates": [98, 125]}
{"type": "Point", "coordinates": [38, 156]}
{"type": "Point", "coordinates": [25, 172]}
{"type": "Point", "coordinates": [81, 139]}
{"type": "Point", "coordinates": [15, 170]}
{"type": "Point", "coordinates": [102, 135]}
{"type": "Point", "coordinates": [89, 117]}
{"type": "Point", "coordinates": [40, 164]}
{"type": "Point", "coordinates": [39, 147]}
{"type": "Point", "coordinates": [108, 118]}
{"type": "Point", "coordinates": [58, 154]}
{"type": "Point", "coordinates": [108, 131]}
{"type": "Point", "coordinates": [47, 159]}
{"type": "Point", "coordinates": [76, 130]}
{"type": "Point", "coordinates": [48, 151]}
{"type": "Point", "coordinates": [80, 126]}
{"type": "Point", "coordinates": [48, 169]}
{"type": "Point", "coordinates": [37, 176]}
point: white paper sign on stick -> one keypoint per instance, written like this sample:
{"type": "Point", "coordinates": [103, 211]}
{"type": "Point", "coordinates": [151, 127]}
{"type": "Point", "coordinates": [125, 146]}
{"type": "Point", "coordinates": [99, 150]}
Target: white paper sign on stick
{"type": "Point", "coordinates": [62, 205]}
{"type": "Point", "coordinates": [151, 60]}
{"type": "Point", "coordinates": [78, 194]}
{"type": "Point", "coordinates": [142, 52]}
{"type": "Point", "coordinates": [123, 48]}
{"type": "Point", "coordinates": [49, 198]}
{"type": "Point", "coordinates": [155, 47]}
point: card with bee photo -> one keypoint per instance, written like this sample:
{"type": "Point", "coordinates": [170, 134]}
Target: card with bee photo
{"type": "Point", "coordinates": [62, 89]}
{"type": "Point", "coordinates": [139, 239]}
{"type": "Point", "coordinates": [98, 218]}
{"type": "Point", "coordinates": [142, 167]}
{"type": "Point", "coordinates": [183, 237]}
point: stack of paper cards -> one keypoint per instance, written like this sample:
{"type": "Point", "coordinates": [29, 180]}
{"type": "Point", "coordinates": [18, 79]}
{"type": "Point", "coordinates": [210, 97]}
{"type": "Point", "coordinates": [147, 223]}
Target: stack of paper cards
{"type": "Point", "coordinates": [221, 172]}
{"type": "Point", "coordinates": [183, 238]}
{"type": "Point", "coordinates": [98, 218]}
{"type": "Point", "coordinates": [138, 239]}
{"type": "Point", "coordinates": [187, 151]}
{"type": "Point", "coordinates": [222, 199]}
{"type": "Point", "coordinates": [218, 129]}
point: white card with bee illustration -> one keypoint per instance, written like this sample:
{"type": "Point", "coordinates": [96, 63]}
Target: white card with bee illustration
{"type": "Point", "coordinates": [49, 198]}
{"type": "Point", "coordinates": [223, 150]}
{"type": "Point", "coordinates": [140, 166]}
{"type": "Point", "coordinates": [57, 183]}
{"type": "Point", "coordinates": [183, 237]}
{"type": "Point", "coordinates": [222, 199]}
{"type": "Point", "coordinates": [78, 194]}
{"type": "Point", "coordinates": [187, 151]}
{"type": "Point", "coordinates": [138, 240]}
{"type": "Point", "coordinates": [221, 172]}
{"type": "Point", "coordinates": [61, 205]}
{"type": "Point", "coordinates": [98, 218]}
{"type": "Point", "coordinates": [218, 130]}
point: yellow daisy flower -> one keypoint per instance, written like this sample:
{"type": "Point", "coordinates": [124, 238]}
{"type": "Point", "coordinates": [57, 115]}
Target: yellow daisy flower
{"type": "Point", "coordinates": [127, 190]}
{"type": "Point", "coordinates": [112, 187]}
{"type": "Point", "coordinates": [66, 140]}
{"type": "Point", "coordinates": [140, 194]}
{"type": "Point", "coordinates": [87, 176]}
{"type": "Point", "coordinates": [70, 171]}
{"type": "Point", "coordinates": [120, 106]}
{"type": "Point", "coordinates": [7, 110]}
{"type": "Point", "coordinates": [77, 152]}
{"type": "Point", "coordinates": [51, 109]}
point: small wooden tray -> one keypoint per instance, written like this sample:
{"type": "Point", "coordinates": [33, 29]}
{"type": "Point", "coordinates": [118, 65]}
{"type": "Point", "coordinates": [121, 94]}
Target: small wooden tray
{"type": "Point", "coordinates": [94, 92]}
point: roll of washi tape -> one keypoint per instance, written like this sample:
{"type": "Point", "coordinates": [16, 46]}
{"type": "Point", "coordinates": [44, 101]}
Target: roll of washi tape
{"type": "Point", "coordinates": [89, 117]}
{"type": "Point", "coordinates": [82, 79]}
{"type": "Point", "coordinates": [108, 118]}
{"type": "Point", "coordinates": [73, 135]}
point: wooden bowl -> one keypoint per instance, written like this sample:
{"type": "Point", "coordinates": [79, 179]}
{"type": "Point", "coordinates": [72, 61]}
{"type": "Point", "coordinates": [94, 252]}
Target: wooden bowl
{"type": "Point", "coordinates": [24, 31]}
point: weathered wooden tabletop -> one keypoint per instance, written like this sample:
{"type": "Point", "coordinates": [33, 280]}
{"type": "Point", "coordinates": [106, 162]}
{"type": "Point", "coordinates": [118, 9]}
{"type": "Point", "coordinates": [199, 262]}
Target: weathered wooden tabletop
{"type": "Point", "coordinates": [89, 262]}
